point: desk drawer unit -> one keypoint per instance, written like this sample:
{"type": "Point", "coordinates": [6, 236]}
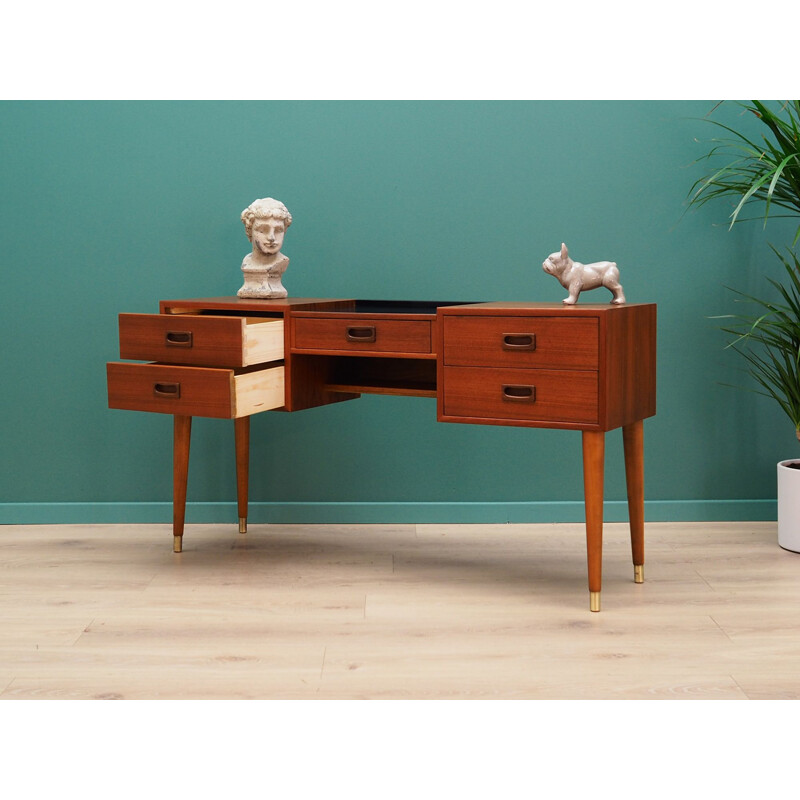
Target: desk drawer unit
{"type": "Point", "coordinates": [211, 341]}
{"type": "Point", "coordinates": [352, 335]}
{"type": "Point", "coordinates": [521, 370]}
{"type": "Point", "coordinates": [209, 366]}
{"type": "Point", "coordinates": [589, 368]}
{"type": "Point", "coordinates": [194, 391]}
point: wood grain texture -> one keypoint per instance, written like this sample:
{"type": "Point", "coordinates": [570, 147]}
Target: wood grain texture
{"type": "Point", "coordinates": [395, 611]}
{"type": "Point", "coordinates": [623, 351]}
{"type": "Point", "coordinates": [627, 365]}
{"type": "Point", "coordinates": [414, 377]}
{"type": "Point", "coordinates": [209, 341]}
{"type": "Point", "coordinates": [258, 390]}
{"type": "Point", "coordinates": [337, 334]}
{"type": "Point", "coordinates": [594, 443]}
{"type": "Point", "coordinates": [307, 380]}
{"type": "Point", "coordinates": [557, 397]}
{"type": "Point", "coordinates": [557, 342]}
{"type": "Point", "coordinates": [168, 389]}
{"type": "Point", "coordinates": [194, 391]}
{"type": "Point", "coordinates": [242, 447]}
{"type": "Point", "coordinates": [633, 447]}
{"type": "Point", "coordinates": [181, 440]}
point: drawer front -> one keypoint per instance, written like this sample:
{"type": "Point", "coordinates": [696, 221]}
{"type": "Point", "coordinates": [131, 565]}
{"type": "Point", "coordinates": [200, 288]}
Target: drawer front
{"type": "Point", "coordinates": [362, 335]}
{"type": "Point", "coordinates": [201, 340]}
{"type": "Point", "coordinates": [540, 395]}
{"type": "Point", "coordinates": [508, 341]}
{"type": "Point", "coordinates": [194, 391]}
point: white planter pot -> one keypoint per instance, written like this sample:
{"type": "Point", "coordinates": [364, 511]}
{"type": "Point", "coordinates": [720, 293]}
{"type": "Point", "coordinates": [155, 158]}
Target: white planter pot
{"type": "Point", "coordinates": [789, 506]}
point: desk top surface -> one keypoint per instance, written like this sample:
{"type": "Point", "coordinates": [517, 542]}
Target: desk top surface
{"type": "Point", "coordinates": [361, 306]}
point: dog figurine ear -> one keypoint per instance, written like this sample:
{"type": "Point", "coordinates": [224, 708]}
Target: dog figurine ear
{"type": "Point", "coordinates": [564, 251]}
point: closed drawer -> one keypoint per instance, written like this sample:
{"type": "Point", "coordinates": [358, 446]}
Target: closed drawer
{"type": "Point", "coordinates": [202, 340]}
{"type": "Point", "coordinates": [194, 391]}
{"type": "Point", "coordinates": [541, 395]}
{"type": "Point", "coordinates": [362, 335]}
{"type": "Point", "coordinates": [508, 341]}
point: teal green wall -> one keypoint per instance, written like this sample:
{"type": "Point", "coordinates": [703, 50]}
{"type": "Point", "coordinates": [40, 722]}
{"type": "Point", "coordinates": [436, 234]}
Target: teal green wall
{"type": "Point", "coordinates": [112, 206]}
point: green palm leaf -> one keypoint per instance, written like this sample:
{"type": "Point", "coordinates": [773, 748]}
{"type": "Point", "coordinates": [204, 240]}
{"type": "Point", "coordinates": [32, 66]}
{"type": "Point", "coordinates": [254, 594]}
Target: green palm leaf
{"type": "Point", "coordinates": [766, 172]}
{"type": "Point", "coordinates": [769, 340]}
{"type": "Point", "coordinates": [769, 172]}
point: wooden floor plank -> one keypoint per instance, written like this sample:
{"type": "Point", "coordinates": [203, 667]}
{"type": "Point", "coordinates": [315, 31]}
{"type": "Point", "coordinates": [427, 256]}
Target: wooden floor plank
{"type": "Point", "coordinates": [395, 611]}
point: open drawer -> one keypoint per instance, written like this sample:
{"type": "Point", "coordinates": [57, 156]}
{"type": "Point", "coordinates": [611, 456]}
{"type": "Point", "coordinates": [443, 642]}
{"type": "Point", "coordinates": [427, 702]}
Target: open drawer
{"type": "Point", "coordinates": [212, 341]}
{"type": "Point", "coordinates": [195, 391]}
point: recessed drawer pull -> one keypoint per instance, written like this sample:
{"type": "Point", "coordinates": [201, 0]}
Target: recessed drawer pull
{"type": "Point", "coordinates": [178, 339]}
{"type": "Point", "coordinates": [519, 341]}
{"type": "Point", "coordinates": [521, 394]}
{"type": "Point", "coordinates": [364, 334]}
{"type": "Point", "coordinates": [169, 390]}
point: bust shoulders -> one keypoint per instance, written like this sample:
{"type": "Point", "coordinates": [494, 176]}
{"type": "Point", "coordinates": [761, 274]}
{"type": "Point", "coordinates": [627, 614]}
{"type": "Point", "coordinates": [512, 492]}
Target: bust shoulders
{"type": "Point", "coordinates": [251, 264]}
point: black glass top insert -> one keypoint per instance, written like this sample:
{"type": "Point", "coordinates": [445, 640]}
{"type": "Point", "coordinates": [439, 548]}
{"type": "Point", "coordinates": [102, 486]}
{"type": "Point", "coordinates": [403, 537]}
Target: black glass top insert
{"type": "Point", "coordinates": [395, 306]}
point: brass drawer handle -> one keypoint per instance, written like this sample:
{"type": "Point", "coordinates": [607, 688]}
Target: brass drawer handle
{"type": "Point", "coordinates": [519, 341]}
{"type": "Point", "coordinates": [365, 334]}
{"type": "Point", "coordinates": [168, 390]}
{"type": "Point", "coordinates": [520, 394]}
{"type": "Point", "coordinates": [178, 339]}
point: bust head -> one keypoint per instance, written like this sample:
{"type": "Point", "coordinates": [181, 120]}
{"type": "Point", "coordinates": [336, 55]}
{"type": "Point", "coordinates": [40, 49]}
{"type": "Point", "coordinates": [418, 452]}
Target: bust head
{"type": "Point", "coordinates": [267, 208]}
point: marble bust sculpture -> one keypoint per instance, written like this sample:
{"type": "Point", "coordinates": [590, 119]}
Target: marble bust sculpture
{"type": "Point", "coordinates": [265, 223]}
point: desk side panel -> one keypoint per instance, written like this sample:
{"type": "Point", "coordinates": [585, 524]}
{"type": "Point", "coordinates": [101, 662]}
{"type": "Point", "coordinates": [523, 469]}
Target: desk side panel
{"type": "Point", "coordinates": [627, 365]}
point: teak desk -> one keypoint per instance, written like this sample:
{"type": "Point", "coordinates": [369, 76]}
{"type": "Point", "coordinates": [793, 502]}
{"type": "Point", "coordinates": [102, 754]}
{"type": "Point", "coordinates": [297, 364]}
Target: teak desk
{"type": "Point", "coordinates": [590, 368]}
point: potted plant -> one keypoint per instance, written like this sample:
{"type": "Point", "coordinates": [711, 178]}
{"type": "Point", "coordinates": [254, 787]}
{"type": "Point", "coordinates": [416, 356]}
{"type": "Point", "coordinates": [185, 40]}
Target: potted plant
{"type": "Point", "coordinates": [767, 172]}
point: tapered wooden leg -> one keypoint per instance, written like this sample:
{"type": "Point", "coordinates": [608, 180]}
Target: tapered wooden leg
{"type": "Point", "coordinates": [180, 473]}
{"type": "Point", "coordinates": [633, 442]}
{"type": "Point", "coordinates": [242, 432]}
{"type": "Point", "coordinates": [594, 443]}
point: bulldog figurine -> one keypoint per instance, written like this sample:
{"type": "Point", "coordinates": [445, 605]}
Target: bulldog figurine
{"type": "Point", "coordinates": [576, 277]}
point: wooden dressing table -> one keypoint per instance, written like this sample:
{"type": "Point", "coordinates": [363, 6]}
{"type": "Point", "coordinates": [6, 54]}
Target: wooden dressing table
{"type": "Point", "coordinates": [590, 368]}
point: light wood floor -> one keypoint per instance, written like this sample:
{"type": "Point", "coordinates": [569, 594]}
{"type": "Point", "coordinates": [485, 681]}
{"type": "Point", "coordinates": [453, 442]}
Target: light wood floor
{"type": "Point", "coordinates": [395, 611]}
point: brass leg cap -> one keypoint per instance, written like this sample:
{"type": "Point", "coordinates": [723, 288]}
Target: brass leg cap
{"type": "Point", "coordinates": [177, 544]}
{"type": "Point", "coordinates": [242, 524]}
{"type": "Point", "coordinates": [594, 601]}
{"type": "Point", "coordinates": [638, 573]}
